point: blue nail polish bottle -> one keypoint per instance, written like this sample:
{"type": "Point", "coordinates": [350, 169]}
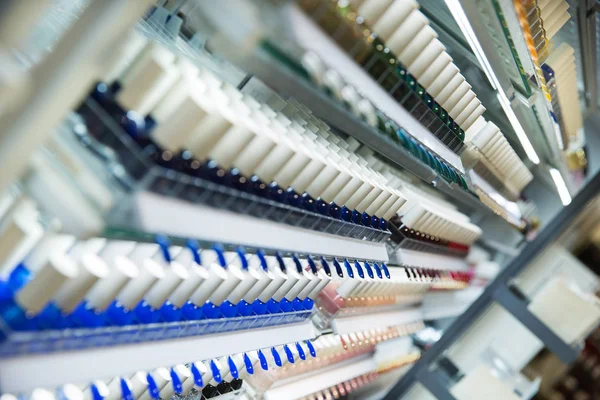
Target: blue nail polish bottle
{"type": "Point", "coordinates": [189, 256]}
{"type": "Point", "coordinates": [369, 270]}
{"type": "Point", "coordinates": [300, 351]}
{"type": "Point", "coordinates": [198, 304]}
{"type": "Point", "coordinates": [383, 224]}
{"type": "Point", "coordinates": [322, 207]}
{"type": "Point", "coordinates": [307, 202]}
{"type": "Point", "coordinates": [253, 296]}
{"type": "Point", "coordinates": [289, 354]}
{"type": "Point", "coordinates": [248, 364]}
{"type": "Point", "coordinates": [18, 313]}
{"type": "Point", "coordinates": [276, 357]}
{"type": "Point", "coordinates": [378, 270]}
{"type": "Point", "coordinates": [214, 307]}
{"type": "Point", "coordinates": [276, 193]}
{"type": "Point", "coordinates": [232, 306]}
{"type": "Point", "coordinates": [348, 267]}
{"type": "Point", "coordinates": [386, 271]}
{"type": "Point", "coordinates": [356, 217]}
{"type": "Point", "coordinates": [335, 211]}
{"type": "Point", "coordinates": [311, 348]}
{"type": "Point", "coordinates": [216, 372]}
{"type": "Point", "coordinates": [197, 375]}
{"type": "Point", "coordinates": [153, 261]}
{"type": "Point", "coordinates": [264, 364]}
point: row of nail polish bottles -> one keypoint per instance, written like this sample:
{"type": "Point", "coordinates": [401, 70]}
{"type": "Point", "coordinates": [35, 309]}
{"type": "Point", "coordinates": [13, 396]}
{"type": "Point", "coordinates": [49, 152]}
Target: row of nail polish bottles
{"type": "Point", "coordinates": [225, 136]}
{"type": "Point", "coordinates": [115, 283]}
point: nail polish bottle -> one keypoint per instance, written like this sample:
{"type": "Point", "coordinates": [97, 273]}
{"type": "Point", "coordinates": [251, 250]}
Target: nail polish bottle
{"type": "Point", "coordinates": [179, 373]}
{"type": "Point", "coordinates": [119, 389]}
{"type": "Point", "coordinates": [318, 275]}
{"type": "Point", "coordinates": [91, 269]}
{"type": "Point", "coordinates": [18, 313]}
{"type": "Point", "coordinates": [148, 310]}
{"type": "Point", "coordinates": [97, 390]}
{"type": "Point", "coordinates": [232, 263]}
{"type": "Point", "coordinates": [210, 390]}
{"type": "Point", "coordinates": [90, 312]}
{"type": "Point", "coordinates": [189, 257]}
{"type": "Point", "coordinates": [238, 265]}
{"type": "Point", "coordinates": [50, 244]}
{"type": "Point", "coordinates": [157, 380]}
{"type": "Point", "coordinates": [149, 259]}
{"type": "Point", "coordinates": [139, 384]}
{"type": "Point", "coordinates": [200, 375]}
{"type": "Point", "coordinates": [266, 302]}
{"type": "Point", "coordinates": [215, 263]}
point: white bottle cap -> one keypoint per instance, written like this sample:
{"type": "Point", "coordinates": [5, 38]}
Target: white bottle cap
{"type": "Point", "coordinates": [122, 270]}
{"type": "Point", "coordinates": [310, 286]}
{"type": "Point", "coordinates": [91, 269]}
{"type": "Point", "coordinates": [51, 244]}
{"type": "Point", "coordinates": [45, 283]}
{"type": "Point", "coordinates": [325, 279]}
{"type": "Point", "coordinates": [71, 392]}
{"type": "Point", "coordinates": [182, 373]}
{"type": "Point", "coordinates": [149, 273]}
{"type": "Point", "coordinates": [139, 383]}
{"type": "Point", "coordinates": [216, 277]}
{"type": "Point", "coordinates": [279, 279]}
{"type": "Point", "coordinates": [250, 277]}
{"type": "Point", "coordinates": [265, 278]}
{"type": "Point", "coordinates": [175, 273]}
{"type": "Point", "coordinates": [346, 288]}
{"type": "Point", "coordinates": [41, 394]}
{"type": "Point", "coordinates": [197, 275]}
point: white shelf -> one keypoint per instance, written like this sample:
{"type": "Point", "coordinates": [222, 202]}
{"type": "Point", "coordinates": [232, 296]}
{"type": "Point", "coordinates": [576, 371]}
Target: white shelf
{"type": "Point", "coordinates": [437, 305]}
{"type": "Point", "coordinates": [320, 379]}
{"type": "Point", "coordinates": [156, 213]}
{"type": "Point", "coordinates": [430, 260]}
{"type": "Point", "coordinates": [511, 208]}
{"type": "Point", "coordinates": [376, 320]}
{"type": "Point", "coordinates": [311, 37]}
{"type": "Point", "coordinates": [24, 373]}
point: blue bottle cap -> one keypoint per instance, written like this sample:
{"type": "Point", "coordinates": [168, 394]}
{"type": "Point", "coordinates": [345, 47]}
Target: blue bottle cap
{"type": "Point", "coordinates": [263, 260]}
{"type": "Point", "coordinates": [126, 390]}
{"type": "Point", "coordinates": [259, 307]}
{"type": "Point", "coordinates": [228, 310]}
{"type": "Point", "coordinates": [273, 306]}
{"type": "Point", "coordinates": [233, 368]}
{"type": "Point", "coordinates": [378, 270]}
{"type": "Point", "coordinates": [194, 247]}
{"type": "Point", "coordinates": [242, 255]}
{"type": "Point", "coordinates": [307, 304]}
{"type": "Point", "coordinates": [276, 357]}
{"type": "Point", "coordinates": [369, 270]}
{"type": "Point", "coordinates": [280, 262]}
{"type": "Point", "coordinates": [359, 269]}
{"type": "Point", "coordinates": [244, 308]}
{"type": "Point", "coordinates": [289, 354]}
{"type": "Point", "coordinates": [313, 266]}
{"type": "Point", "coordinates": [325, 266]}
{"type": "Point", "coordinates": [301, 352]}
{"type": "Point", "coordinates": [311, 348]}
{"type": "Point", "coordinates": [297, 304]}
{"type": "Point", "coordinates": [96, 395]}
{"type": "Point", "coordinates": [220, 255]}
{"type": "Point", "coordinates": [386, 271]}
{"type": "Point", "coordinates": [263, 361]}
{"type": "Point", "coordinates": [338, 268]}
{"type": "Point", "coordinates": [248, 364]}
{"type": "Point", "coordinates": [285, 305]}
{"type": "Point", "coordinates": [216, 372]}
{"type": "Point", "coordinates": [153, 389]}
{"type": "Point", "coordinates": [297, 263]}
{"type": "Point", "coordinates": [164, 243]}
{"type": "Point", "coordinates": [197, 375]}
{"type": "Point", "coordinates": [348, 268]}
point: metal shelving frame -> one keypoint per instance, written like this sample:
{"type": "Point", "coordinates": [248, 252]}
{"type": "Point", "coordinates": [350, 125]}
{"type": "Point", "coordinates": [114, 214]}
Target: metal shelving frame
{"type": "Point", "coordinates": [499, 291]}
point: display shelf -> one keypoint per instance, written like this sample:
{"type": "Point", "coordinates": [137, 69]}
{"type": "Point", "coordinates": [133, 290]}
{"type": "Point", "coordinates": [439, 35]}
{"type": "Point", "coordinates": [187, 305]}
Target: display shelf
{"type": "Point", "coordinates": [152, 213]}
{"type": "Point", "coordinates": [510, 209]}
{"type": "Point", "coordinates": [26, 372]}
{"type": "Point", "coordinates": [447, 304]}
{"type": "Point", "coordinates": [411, 258]}
{"type": "Point", "coordinates": [376, 319]}
{"type": "Point", "coordinates": [314, 381]}
{"type": "Point", "coordinates": [107, 137]}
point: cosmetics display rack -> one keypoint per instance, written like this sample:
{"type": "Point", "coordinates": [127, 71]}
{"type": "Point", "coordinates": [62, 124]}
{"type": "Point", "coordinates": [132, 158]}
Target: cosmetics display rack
{"type": "Point", "coordinates": [287, 81]}
{"type": "Point", "coordinates": [183, 208]}
{"type": "Point", "coordinates": [204, 205]}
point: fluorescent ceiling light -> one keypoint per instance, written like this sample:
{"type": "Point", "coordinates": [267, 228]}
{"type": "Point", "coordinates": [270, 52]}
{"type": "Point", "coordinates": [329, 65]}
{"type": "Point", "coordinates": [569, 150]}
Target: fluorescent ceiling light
{"type": "Point", "coordinates": [559, 182]}
{"type": "Point", "coordinates": [465, 26]}
{"type": "Point", "coordinates": [516, 125]}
